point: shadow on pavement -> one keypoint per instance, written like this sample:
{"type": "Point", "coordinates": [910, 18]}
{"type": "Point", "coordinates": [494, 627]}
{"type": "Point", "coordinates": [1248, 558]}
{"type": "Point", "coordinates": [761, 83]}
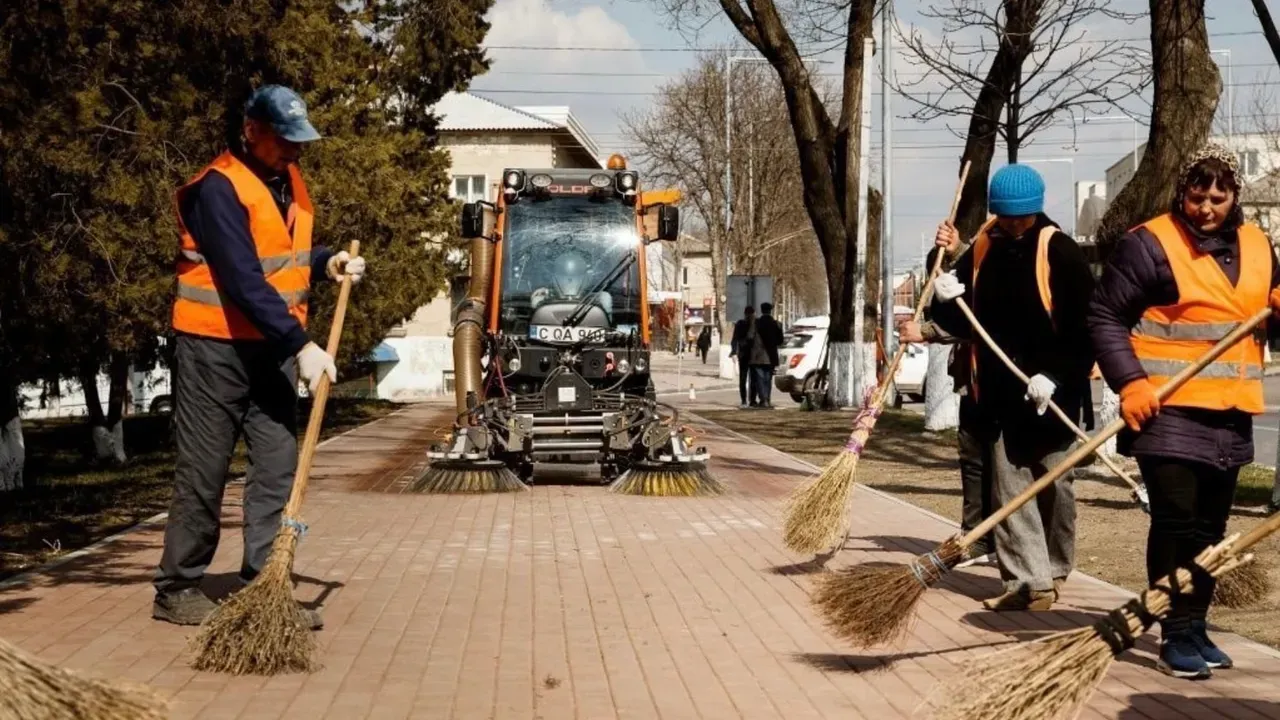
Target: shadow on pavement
{"type": "Point", "coordinates": [1151, 705]}
{"type": "Point", "coordinates": [858, 664]}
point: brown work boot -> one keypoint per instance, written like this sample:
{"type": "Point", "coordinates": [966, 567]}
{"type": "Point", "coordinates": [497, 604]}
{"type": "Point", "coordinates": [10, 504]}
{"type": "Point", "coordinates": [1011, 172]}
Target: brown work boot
{"type": "Point", "coordinates": [1032, 600]}
{"type": "Point", "coordinates": [189, 606]}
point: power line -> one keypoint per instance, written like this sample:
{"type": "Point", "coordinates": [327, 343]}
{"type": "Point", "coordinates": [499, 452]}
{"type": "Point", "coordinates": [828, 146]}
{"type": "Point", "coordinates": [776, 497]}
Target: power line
{"type": "Point", "coordinates": [1091, 41]}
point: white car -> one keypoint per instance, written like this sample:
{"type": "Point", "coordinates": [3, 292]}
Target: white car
{"type": "Point", "coordinates": [801, 352]}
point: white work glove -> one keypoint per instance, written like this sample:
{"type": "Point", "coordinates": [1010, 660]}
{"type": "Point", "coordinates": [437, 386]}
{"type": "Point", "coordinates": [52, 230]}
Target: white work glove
{"type": "Point", "coordinates": [1040, 391]}
{"type": "Point", "coordinates": [948, 287]}
{"type": "Point", "coordinates": [314, 363]}
{"type": "Point", "coordinates": [342, 264]}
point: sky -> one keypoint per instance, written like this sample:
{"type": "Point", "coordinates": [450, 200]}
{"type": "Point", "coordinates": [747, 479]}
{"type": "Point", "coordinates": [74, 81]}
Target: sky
{"type": "Point", "coordinates": [543, 53]}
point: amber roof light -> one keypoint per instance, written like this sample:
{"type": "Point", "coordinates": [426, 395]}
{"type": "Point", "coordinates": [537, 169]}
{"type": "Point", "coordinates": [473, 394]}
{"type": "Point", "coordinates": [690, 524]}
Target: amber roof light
{"type": "Point", "coordinates": [617, 162]}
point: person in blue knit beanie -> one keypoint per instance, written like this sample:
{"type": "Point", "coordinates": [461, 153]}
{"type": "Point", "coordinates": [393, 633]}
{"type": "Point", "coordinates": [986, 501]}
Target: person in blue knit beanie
{"type": "Point", "coordinates": [1033, 299]}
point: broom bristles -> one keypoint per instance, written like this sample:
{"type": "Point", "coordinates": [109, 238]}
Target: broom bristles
{"type": "Point", "coordinates": [448, 477]}
{"type": "Point", "coordinates": [1040, 680]}
{"type": "Point", "coordinates": [685, 480]}
{"type": "Point", "coordinates": [874, 604]}
{"type": "Point", "coordinates": [1243, 587]}
{"type": "Point", "coordinates": [32, 689]}
{"type": "Point", "coordinates": [261, 630]}
{"type": "Point", "coordinates": [817, 512]}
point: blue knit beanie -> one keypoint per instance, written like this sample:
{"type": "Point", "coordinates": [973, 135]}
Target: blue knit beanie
{"type": "Point", "coordinates": [1016, 190]}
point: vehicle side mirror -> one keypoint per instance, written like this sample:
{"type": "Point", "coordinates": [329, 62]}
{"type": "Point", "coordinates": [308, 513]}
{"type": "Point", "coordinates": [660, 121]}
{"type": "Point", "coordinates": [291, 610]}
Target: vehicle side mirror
{"type": "Point", "coordinates": [668, 222]}
{"type": "Point", "coordinates": [472, 220]}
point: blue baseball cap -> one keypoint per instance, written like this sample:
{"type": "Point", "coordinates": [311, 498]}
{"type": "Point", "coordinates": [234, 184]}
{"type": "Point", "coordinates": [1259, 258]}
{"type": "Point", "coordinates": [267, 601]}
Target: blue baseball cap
{"type": "Point", "coordinates": [284, 109]}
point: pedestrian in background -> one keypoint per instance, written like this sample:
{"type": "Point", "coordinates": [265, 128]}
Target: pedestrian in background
{"type": "Point", "coordinates": [764, 355]}
{"type": "Point", "coordinates": [1174, 287]}
{"type": "Point", "coordinates": [704, 342]}
{"type": "Point", "coordinates": [740, 347]}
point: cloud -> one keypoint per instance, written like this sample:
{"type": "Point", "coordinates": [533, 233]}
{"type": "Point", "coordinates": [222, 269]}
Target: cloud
{"type": "Point", "coordinates": [538, 23]}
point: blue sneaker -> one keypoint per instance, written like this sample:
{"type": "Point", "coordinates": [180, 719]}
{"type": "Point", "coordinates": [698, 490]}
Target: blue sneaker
{"type": "Point", "coordinates": [1213, 657]}
{"type": "Point", "coordinates": [1180, 657]}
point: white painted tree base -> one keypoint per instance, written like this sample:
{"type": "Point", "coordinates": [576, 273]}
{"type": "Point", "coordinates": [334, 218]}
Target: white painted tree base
{"type": "Point", "coordinates": [941, 403]}
{"type": "Point", "coordinates": [849, 383]}
{"type": "Point", "coordinates": [108, 443]}
{"type": "Point", "coordinates": [13, 455]}
{"type": "Point", "coordinates": [1106, 415]}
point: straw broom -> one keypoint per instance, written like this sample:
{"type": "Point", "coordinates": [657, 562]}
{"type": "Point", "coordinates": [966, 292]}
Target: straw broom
{"type": "Point", "coordinates": [1055, 676]}
{"type": "Point", "coordinates": [1247, 586]}
{"type": "Point", "coordinates": [873, 604]}
{"type": "Point", "coordinates": [262, 630]}
{"type": "Point", "coordinates": [817, 510]}
{"type": "Point", "coordinates": [33, 690]}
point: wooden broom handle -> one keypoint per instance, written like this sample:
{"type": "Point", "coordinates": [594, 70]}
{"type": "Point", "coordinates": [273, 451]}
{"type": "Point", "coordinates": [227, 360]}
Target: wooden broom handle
{"type": "Point", "coordinates": [892, 370]}
{"type": "Point", "coordinates": [1115, 426]}
{"type": "Point", "coordinates": [986, 338]}
{"type": "Point", "coordinates": [312, 438]}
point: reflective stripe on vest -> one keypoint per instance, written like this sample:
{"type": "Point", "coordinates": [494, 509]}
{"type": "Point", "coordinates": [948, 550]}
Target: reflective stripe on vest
{"type": "Point", "coordinates": [981, 244]}
{"type": "Point", "coordinates": [1170, 338]}
{"type": "Point", "coordinates": [283, 246]}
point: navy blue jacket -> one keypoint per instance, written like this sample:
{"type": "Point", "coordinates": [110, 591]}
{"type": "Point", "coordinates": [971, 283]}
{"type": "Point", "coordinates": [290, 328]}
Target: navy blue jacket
{"type": "Point", "coordinates": [1139, 277]}
{"type": "Point", "coordinates": [214, 216]}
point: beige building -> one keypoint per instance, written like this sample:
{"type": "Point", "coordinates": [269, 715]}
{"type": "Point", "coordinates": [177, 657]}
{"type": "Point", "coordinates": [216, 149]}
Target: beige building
{"type": "Point", "coordinates": [483, 137]}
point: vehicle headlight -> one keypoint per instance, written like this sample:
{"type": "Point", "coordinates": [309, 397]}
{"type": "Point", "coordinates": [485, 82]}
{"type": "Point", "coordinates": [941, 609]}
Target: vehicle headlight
{"type": "Point", "coordinates": [624, 367]}
{"type": "Point", "coordinates": [600, 180]}
{"type": "Point", "coordinates": [541, 181]}
{"type": "Point", "coordinates": [641, 365]}
{"type": "Point", "coordinates": [514, 364]}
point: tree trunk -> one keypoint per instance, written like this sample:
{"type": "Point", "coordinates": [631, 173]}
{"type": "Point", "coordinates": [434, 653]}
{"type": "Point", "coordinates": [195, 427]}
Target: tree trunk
{"type": "Point", "coordinates": [941, 403]}
{"type": "Point", "coordinates": [1185, 98]}
{"type": "Point", "coordinates": [12, 451]}
{"type": "Point", "coordinates": [107, 428]}
{"type": "Point", "coordinates": [1268, 27]}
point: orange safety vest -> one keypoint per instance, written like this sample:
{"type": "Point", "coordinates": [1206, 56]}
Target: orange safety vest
{"type": "Point", "coordinates": [1172, 337]}
{"type": "Point", "coordinates": [284, 250]}
{"type": "Point", "coordinates": [981, 244]}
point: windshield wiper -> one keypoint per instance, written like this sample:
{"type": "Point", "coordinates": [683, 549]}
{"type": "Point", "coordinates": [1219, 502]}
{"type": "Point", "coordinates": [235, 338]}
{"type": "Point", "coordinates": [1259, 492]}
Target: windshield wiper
{"type": "Point", "coordinates": [580, 311]}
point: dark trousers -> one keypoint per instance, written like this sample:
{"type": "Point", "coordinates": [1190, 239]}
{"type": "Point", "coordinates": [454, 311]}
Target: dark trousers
{"type": "Point", "coordinates": [1190, 504]}
{"type": "Point", "coordinates": [975, 471]}
{"type": "Point", "coordinates": [745, 390]}
{"type": "Point", "coordinates": [762, 384]}
{"type": "Point", "coordinates": [703, 353]}
{"type": "Point", "coordinates": [222, 391]}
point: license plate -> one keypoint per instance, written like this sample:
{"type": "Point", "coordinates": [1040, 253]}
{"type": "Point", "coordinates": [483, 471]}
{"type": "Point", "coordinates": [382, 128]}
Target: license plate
{"type": "Point", "coordinates": [561, 334]}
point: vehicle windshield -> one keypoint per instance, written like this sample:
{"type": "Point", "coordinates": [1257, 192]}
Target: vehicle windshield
{"type": "Point", "coordinates": [556, 252]}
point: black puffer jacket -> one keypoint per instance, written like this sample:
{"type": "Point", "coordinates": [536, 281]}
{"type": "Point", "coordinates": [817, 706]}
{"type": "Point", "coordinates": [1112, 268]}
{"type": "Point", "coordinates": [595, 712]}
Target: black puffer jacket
{"type": "Point", "coordinates": [1008, 305]}
{"type": "Point", "coordinates": [1138, 277]}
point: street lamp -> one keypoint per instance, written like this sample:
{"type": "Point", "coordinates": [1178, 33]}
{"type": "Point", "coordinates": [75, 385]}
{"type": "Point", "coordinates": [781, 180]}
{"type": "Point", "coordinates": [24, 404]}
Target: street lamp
{"type": "Point", "coordinates": [1072, 163]}
{"type": "Point", "coordinates": [1231, 94]}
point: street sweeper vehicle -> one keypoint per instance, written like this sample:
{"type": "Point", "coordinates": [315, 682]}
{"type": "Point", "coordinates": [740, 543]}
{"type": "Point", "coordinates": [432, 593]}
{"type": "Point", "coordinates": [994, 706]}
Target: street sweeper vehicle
{"type": "Point", "coordinates": [551, 345]}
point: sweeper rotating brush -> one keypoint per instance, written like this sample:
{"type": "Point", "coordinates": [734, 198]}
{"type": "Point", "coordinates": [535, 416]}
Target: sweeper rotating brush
{"type": "Point", "coordinates": [667, 479]}
{"type": "Point", "coordinates": [467, 476]}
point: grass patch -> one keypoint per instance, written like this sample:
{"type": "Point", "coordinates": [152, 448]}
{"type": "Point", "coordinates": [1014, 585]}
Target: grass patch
{"type": "Point", "coordinates": [1254, 487]}
{"type": "Point", "coordinates": [71, 502]}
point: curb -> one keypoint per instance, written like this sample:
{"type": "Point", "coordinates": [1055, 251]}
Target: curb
{"type": "Point", "coordinates": [26, 577]}
{"type": "Point", "coordinates": [1251, 644]}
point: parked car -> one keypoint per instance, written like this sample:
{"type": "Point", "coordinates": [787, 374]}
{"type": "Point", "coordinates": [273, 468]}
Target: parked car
{"type": "Point", "coordinates": [801, 351]}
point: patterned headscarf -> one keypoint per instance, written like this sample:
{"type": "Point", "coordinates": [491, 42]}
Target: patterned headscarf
{"type": "Point", "coordinates": [1212, 151]}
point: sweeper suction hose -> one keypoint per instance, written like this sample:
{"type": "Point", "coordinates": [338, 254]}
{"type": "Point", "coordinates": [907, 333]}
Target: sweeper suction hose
{"type": "Point", "coordinates": [468, 330]}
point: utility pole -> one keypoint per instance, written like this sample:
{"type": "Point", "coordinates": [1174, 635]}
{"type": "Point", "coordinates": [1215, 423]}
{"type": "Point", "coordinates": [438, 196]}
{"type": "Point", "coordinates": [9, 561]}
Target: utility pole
{"type": "Point", "coordinates": [886, 178]}
{"type": "Point", "coordinates": [854, 396]}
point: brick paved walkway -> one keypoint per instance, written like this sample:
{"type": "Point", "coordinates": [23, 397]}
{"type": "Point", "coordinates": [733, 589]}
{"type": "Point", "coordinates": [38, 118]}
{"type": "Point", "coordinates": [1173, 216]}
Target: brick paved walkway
{"type": "Point", "coordinates": [569, 602]}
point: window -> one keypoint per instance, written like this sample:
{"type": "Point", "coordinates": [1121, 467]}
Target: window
{"type": "Point", "coordinates": [1248, 162]}
{"type": "Point", "coordinates": [469, 188]}
{"type": "Point", "coordinates": [685, 281]}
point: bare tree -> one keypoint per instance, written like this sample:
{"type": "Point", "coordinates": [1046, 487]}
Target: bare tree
{"type": "Point", "coordinates": [1011, 69]}
{"type": "Point", "coordinates": [679, 139]}
{"type": "Point", "coordinates": [827, 137]}
{"type": "Point", "coordinates": [1185, 98]}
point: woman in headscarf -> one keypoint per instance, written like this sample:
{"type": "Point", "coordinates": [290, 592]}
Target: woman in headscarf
{"type": "Point", "coordinates": [1174, 287]}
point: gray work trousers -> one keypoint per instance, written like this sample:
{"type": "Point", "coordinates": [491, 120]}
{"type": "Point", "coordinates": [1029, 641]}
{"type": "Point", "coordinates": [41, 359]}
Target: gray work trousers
{"type": "Point", "coordinates": [1036, 544]}
{"type": "Point", "coordinates": [223, 391]}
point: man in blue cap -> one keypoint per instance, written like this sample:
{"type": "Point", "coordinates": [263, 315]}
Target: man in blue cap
{"type": "Point", "coordinates": [1034, 301]}
{"type": "Point", "coordinates": [244, 270]}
